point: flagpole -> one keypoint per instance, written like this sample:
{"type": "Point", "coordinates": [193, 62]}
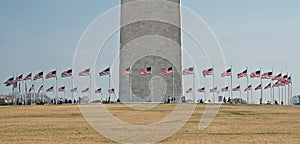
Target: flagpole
{"type": "Point", "coordinates": [291, 86]}
{"type": "Point", "coordinates": [285, 91]}
{"type": "Point", "coordinates": [65, 94]}
{"type": "Point", "coordinates": [278, 94]}
{"type": "Point", "coordinates": [271, 93]}
{"type": "Point", "coordinates": [34, 95]}
{"type": "Point", "coordinates": [31, 87]}
{"type": "Point", "coordinates": [261, 90]}
{"type": "Point", "coordinates": [90, 89]}
{"type": "Point", "coordinates": [22, 91]}
{"type": "Point", "coordinates": [25, 92]}
{"type": "Point", "coordinates": [193, 89]}
{"type": "Point", "coordinates": [56, 77]}
{"type": "Point", "coordinates": [43, 99]}
{"type": "Point", "coordinates": [272, 88]}
{"type": "Point", "coordinates": [213, 76]}
{"type": "Point", "coordinates": [19, 90]}
{"type": "Point", "coordinates": [129, 83]}
{"type": "Point", "coordinates": [241, 96]}
{"type": "Point", "coordinates": [75, 96]}
{"type": "Point", "coordinates": [285, 95]}
{"type": "Point", "coordinates": [251, 95]}
{"type": "Point", "coordinates": [13, 91]}
{"type": "Point", "coordinates": [282, 95]}
{"type": "Point", "coordinates": [109, 76]}
{"type": "Point", "coordinates": [247, 85]}
{"type": "Point", "coordinates": [205, 95]}
{"type": "Point", "coordinates": [16, 92]}
{"type": "Point", "coordinates": [231, 83]}
{"type": "Point", "coordinates": [173, 93]}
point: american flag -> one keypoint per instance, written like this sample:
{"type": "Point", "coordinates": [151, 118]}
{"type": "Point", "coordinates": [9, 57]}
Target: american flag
{"type": "Point", "coordinates": [287, 81]}
{"type": "Point", "coordinates": [188, 71]}
{"type": "Point", "coordinates": [276, 84]}
{"type": "Point", "coordinates": [242, 74]}
{"type": "Point", "coordinates": [98, 90]}
{"type": "Point", "coordinates": [105, 72]}
{"type": "Point", "coordinates": [86, 72]}
{"type": "Point", "coordinates": [85, 90]}
{"type": "Point", "coordinates": [167, 71]}
{"type": "Point", "coordinates": [215, 89]}
{"type": "Point", "coordinates": [258, 87]}
{"type": "Point", "coordinates": [238, 88]}
{"type": "Point", "coordinates": [277, 77]}
{"type": "Point", "coordinates": [282, 83]}
{"type": "Point", "coordinates": [19, 78]}
{"type": "Point", "coordinates": [111, 91]}
{"type": "Point", "coordinates": [190, 90]}
{"type": "Point", "coordinates": [62, 89]}
{"type": "Point", "coordinates": [267, 75]}
{"type": "Point", "coordinates": [67, 73]}
{"type": "Point", "coordinates": [74, 89]}
{"type": "Point", "coordinates": [285, 77]}
{"type": "Point", "coordinates": [225, 89]}
{"type": "Point", "coordinates": [51, 74]}
{"type": "Point", "coordinates": [201, 89]}
{"type": "Point", "coordinates": [146, 71]}
{"type": "Point", "coordinates": [268, 86]}
{"type": "Point", "coordinates": [126, 71]}
{"type": "Point", "coordinates": [255, 74]}
{"type": "Point", "coordinates": [38, 76]}
{"type": "Point", "coordinates": [28, 77]}
{"type": "Point", "coordinates": [50, 89]}
{"type": "Point", "coordinates": [248, 88]}
{"type": "Point", "coordinates": [226, 73]}
{"type": "Point", "coordinates": [207, 72]}
{"type": "Point", "coordinates": [290, 79]}
{"type": "Point", "coordinates": [9, 81]}
{"type": "Point", "coordinates": [31, 88]}
{"type": "Point", "coordinates": [41, 88]}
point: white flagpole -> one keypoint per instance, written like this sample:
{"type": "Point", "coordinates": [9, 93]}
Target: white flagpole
{"type": "Point", "coordinates": [231, 83]}
{"type": "Point", "coordinates": [213, 76]}
{"type": "Point", "coordinates": [247, 85]}
{"type": "Point", "coordinates": [31, 87]}
{"type": "Point", "coordinates": [285, 92]}
{"type": "Point", "coordinates": [129, 84]}
{"type": "Point", "coordinates": [240, 95]}
{"type": "Point", "coordinates": [261, 90]}
{"type": "Point", "coordinates": [65, 94]}
{"type": "Point", "coordinates": [271, 93]}
{"type": "Point", "coordinates": [43, 95]}
{"type": "Point", "coordinates": [251, 94]}
{"type": "Point", "coordinates": [205, 95]}
{"type": "Point", "coordinates": [23, 93]}
{"type": "Point", "coordinates": [278, 95]}
{"type": "Point", "coordinates": [193, 89]}
{"type": "Point", "coordinates": [272, 88]}
{"type": "Point", "coordinates": [90, 87]}
{"type": "Point", "coordinates": [109, 88]}
{"type": "Point", "coordinates": [291, 87]}
{"type": "Point", "coordinates": [56, 96]}
{"type": "Point", "coordinates": [173, 93]}
{"type": "Point", "coordinates": [282, 95]}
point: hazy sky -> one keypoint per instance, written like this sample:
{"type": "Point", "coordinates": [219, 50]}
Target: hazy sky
{"type": "Point", "coordinates": [40, 35]}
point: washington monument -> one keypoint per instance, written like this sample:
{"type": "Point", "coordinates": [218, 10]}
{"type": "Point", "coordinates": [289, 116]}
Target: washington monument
{"type": "Point", "coordinates": [150, 37]}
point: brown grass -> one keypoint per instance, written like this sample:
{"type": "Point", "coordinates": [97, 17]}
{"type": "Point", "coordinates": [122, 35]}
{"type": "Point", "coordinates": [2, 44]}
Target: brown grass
{"type": "Point", "coordinates": [233, 124]}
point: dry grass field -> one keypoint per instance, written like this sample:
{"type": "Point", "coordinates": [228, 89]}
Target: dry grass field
{"type": "Point", "coordinates": [233, 124]}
